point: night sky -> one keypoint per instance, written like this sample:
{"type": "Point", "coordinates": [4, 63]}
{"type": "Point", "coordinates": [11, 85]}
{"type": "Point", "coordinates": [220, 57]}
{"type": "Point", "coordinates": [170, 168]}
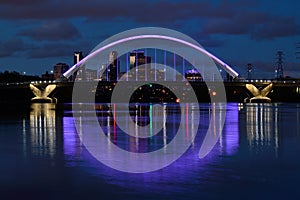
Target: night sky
{"type": "Point", "coordinates": [36, 34]}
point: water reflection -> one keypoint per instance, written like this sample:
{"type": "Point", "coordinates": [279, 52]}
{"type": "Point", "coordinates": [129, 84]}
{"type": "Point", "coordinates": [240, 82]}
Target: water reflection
{"type": "Point", "coordinates": [154, 126]}
{"type": "Point", "coordinates": [168, 117]}
{"type": "Point", "coordinates": [42, 138]}
{"type": "Point", "coordinates": [266, 129]}
{"type": "Point", "coordinates": [229, 141]}
{"type": "Point", "coordinates": [45, 120]}
{"type": "Point", "coordinates": [263, 125]}
{"type": "Point", "coordinates": [72, 146]}
{"type": "Point", "coordinates": [46, 129]}
{"type": "Point", "coordinates": [187, 164]}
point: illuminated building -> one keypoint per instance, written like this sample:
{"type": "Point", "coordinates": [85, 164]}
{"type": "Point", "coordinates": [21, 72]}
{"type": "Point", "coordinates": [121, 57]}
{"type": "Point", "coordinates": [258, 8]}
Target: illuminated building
{"type": "Point", "coordinates": [114, 66]}
{"type": "Point", "coordinates": [90, 74]}
{"type": "Point", "coordinates": [79, 75]}
{"type": "Point", "coordinates": [77, 57]}
{"type": "Point", "coordinates": [102, 73]}
{"type": "Point", "coordinates": [141, 63]}
{"type": "Point", "coordinates": [59, 69]}
{"type": "Point", "coordinates": [193, 75]}
{"type": "Point", "coordinates": [47, 76]}
{"type": "Point", "coordinates": [111, 70]}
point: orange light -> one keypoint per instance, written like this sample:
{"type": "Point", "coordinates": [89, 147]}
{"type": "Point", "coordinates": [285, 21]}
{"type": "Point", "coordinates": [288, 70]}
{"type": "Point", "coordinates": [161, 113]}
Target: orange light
{"type": "Point", "coordinates": [214, 93]}
{"type": "Point", "coordinates": [177, 100]}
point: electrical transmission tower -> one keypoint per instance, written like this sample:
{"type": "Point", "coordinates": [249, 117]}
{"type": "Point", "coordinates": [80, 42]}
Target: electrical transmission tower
{"type": "Point", "coordinates": [249, 71]}
{"type": "Point", "coordinates": [279, 67]}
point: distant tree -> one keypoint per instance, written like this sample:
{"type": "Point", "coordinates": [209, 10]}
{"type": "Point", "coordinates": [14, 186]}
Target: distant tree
{"type": "Point", "coordinates": [12, 77]}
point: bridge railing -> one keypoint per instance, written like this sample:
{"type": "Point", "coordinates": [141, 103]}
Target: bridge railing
{"type": "Point", "coordinates": [27, 82]}
{"type": "Point", "coordinates": [268, 81]}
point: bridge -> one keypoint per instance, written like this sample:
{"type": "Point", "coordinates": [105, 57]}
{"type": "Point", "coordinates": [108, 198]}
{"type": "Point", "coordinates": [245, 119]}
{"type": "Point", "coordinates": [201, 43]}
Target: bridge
{"type": "Point", "coordinates": [258, 88]}
{"type": "Point", "coordinates": [43, 95]}
{"type": "Point", "coordinates": [236, 91]}
{"type": "Point", "coordinates": [223, 65]}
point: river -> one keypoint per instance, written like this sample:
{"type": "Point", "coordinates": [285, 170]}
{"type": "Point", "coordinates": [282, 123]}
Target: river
{"type": "Point", "coordinates": [255, 157]}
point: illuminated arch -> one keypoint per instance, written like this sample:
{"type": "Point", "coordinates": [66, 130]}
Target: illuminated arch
{"type": "Point", "coordinates": [222, 64]}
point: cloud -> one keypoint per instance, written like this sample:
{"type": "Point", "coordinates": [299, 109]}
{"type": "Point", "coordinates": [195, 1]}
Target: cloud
{"type": "Point", "coordinates": [52, 31]}
{"type": "Point", "coordinates": [57, 49]}
{"type": "Point", "coordinates": [210, 42]}
{"type": "Point", "coordinates": [157, 12]}
{"type": "Point", "coordinates": [257, 25]}
{"type": "Point", "coordinates": [207, 41]}
{"type": "Point", "coordinates": [11, 47]}
{"type": "Point", "coordinates": [217, 17]}
{"type": "Point", "coordinates": [18, 2]}
{"type": "Point", "coordinates": [225, 26]}
{"type": "Point", "coordinates": [276, 27]}
{"type": "Point", "coordinates": [143, 11]}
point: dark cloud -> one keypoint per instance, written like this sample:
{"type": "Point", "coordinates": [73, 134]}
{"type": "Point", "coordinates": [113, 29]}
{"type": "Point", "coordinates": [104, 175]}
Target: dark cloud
{"type": "Point", "coordinates": [45, 25]}
{"type": "Point", "coordinates": [57, 49]}
{"type": "Point", "coordinates": [11, 47]}
{"type": "Point", "coordinates": [250, 18]}
{"type": "Point", "coordinates": [139, 10]}
{"type": "Point", "coordinates": [18, 2]}
{"type": "Point", "coordinates": [166, 12]}
{"type": "Point", "coordinates": [225, 26]}
{"type": "Point", "coordinates": [158, 12]}
{"type": "Point", "coordinates": [53, 30]}
{"type": "Point", "coordinates": [240, 24]}
{"type": "Point", "coordinates": [208, 43]}
{"type": "Point", "coordinates": [276, 27]}
{"type": "Point", "coordinates": [256, 24]}
{"type": "Point", "coordinates": [223, 17]}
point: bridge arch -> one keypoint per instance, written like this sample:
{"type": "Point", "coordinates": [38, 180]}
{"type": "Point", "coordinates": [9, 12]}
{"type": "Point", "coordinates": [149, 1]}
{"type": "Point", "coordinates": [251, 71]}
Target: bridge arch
{"type": "Point", "coordinates": [189, 50]}
{"type": "Point", "coordinates": [222, 64]}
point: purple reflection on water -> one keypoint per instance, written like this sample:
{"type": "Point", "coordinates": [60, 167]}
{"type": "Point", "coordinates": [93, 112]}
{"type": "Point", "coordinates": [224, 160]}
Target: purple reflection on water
{"type": "Point", "coordinates": [230, 139]}
{"type": "Point", "coordinates": [72, 144]}
{"type": "Point", "coordinates": [180, 172]}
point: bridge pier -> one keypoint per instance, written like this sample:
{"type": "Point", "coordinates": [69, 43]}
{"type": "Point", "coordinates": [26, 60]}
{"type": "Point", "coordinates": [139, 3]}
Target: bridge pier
{"type": "Point", "coordinates": [41, 95]}
{"type": "Point", "coordinates": [259, 95]}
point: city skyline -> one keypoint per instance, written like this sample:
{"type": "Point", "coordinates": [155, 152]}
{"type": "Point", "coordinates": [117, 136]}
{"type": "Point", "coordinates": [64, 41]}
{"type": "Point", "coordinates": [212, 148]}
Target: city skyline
{"type": "Point", "coordinates": [39, 34]}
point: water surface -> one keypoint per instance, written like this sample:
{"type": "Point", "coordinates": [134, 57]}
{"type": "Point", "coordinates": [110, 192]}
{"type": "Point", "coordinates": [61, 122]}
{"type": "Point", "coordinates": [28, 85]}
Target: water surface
{"type": "Point", "coordinates": [257, 156]}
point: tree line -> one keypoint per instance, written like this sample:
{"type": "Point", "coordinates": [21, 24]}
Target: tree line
{"type": "Point", "coordinates": [13, 76]}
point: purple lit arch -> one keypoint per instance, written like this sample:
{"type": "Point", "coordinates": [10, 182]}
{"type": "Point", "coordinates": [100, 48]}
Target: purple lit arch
{"type": "Point", "coordinates": [223, 65]}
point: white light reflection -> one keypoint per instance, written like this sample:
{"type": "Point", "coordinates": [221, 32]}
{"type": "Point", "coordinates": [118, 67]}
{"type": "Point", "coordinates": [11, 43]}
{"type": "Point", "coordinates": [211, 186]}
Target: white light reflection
{"type": "Point", "coordinates": [163, 118]}
{"type": "Point", "coordinates": [164, 127]}
{"type": "Point", "coordinates": [230, 136]}
{"type": "Point", "coordinates": [262, 126]}
{"type": "Point", "coordinates": [42, 129]}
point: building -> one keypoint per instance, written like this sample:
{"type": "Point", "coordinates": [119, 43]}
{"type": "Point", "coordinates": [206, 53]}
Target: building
{"type": "Point", "coordinates": [47, 76]}
{"type": "Point", "coordinates": [80, 73]}
{"type": "Point", "coordinates": [142, 65]}
{"type": "Point", "coordinates": [102, 73]}
{"type": "Point", "coordinates": [59, 69]}
{"type": "Point", "coordinates": [77, 57]}
{"type": "Point", "coordinates": [111, 70]}
{"type": "Point", "coordinates": [193, 75]}
{"type": "Point", "coordinates": [90, 75]}
{"type": "Point", "coordinates": [114, 66]}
